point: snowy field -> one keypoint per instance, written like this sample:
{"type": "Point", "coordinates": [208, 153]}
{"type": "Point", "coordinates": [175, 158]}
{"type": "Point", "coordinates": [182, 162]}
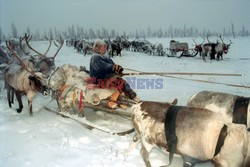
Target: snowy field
{"type": "Point", "coordinates": [48, 140]}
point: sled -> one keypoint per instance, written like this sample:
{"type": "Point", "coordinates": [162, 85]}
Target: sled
{"type": "Point", "coordinates": [105, 109]}
{"type": "Point", "coordinates": [180, 49]}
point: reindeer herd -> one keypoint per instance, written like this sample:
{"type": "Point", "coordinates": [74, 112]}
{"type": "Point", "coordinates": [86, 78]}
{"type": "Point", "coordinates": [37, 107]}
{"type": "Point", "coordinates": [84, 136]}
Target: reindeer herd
{"type": "Point", "coordinates": [212, 127]}
{"type": "Point", "coordinates": [115, 47]}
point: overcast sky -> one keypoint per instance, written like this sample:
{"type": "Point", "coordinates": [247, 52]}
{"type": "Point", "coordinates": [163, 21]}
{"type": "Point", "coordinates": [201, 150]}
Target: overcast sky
{"type": "Point", "coordinates": [123, 14]}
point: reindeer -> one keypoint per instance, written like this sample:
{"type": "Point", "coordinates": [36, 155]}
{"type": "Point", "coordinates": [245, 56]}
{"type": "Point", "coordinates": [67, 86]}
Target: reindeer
{"type": "Point", "coordinates": [222, 48]}
{"type": "Point", "coordinates": [116, 47]}
{"type": "Point", "coordinates": [214, 49]}
{"type": "Point", "coordinates": [197, 134]}
{"type": "Point", "coordinates": [125, 43]}
{"type": "Point", "coordinates": [148, 48]}
{"type": "Point", "coordinates": [23, 81]}
{"type": "Point", "coordinates": [87, 47]}
{"type": "Point", "coordinates": [159, 50]}
{"type": "Point", "coordinates": [198, 47]}
{"type": "Point", "coordinates": [38, 62]}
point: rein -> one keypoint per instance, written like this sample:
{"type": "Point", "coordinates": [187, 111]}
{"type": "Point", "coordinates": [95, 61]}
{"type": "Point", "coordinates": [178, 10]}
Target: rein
{"type": "Point", "coordinates": [170, 131]}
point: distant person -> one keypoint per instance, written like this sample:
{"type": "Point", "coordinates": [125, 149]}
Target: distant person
{"type": "Point", "coordinates": [102, 67]}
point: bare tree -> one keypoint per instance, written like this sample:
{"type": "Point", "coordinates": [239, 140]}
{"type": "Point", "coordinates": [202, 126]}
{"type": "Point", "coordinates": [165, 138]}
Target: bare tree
{"type": "Point", "coordinates": [28, 31]}
{"type": "Point", "coordinates": [51, 35]}
{"type": "Point", "coordinates": [233, 32]}
{"type": "Point", "coordinates": [37, 35]}
{"type": "Point", "coordinates": [1, 34]}
{"type": "Point", "coordinates": [14, 30]}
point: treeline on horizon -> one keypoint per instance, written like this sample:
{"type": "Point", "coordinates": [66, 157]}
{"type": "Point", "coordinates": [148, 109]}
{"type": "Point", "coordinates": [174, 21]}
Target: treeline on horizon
{"type": "Point", "coordinates": [77, 32]}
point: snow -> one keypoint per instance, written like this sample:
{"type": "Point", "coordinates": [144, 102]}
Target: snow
{"type": "Point", "coordinates": [49, 140]}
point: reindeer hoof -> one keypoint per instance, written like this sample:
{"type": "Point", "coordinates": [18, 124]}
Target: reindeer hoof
{"type": "Point", "coordinates": [19, 110]}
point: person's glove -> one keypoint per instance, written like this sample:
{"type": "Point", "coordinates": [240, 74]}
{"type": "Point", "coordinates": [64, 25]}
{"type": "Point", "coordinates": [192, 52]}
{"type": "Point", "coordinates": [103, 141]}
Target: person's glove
{"type": "Point", "coordinates": [117, 69]}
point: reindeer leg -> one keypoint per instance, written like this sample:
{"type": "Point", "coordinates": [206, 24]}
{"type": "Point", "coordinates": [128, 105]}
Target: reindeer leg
{"type": "Point", "coordinates": [30, 107]}
{"type": "Point", "coordinates": [134, 143]}
{"type": "Point", "coordinates": [19, 99]}
{"type": "Point", "coordinates": [145, 155]}
{"type": "Point", "coordinates": [12, 96]}
{"type": "Point", "coordinates": [203, 56]}
{"type": "Point", "coordinates": [8, 97]}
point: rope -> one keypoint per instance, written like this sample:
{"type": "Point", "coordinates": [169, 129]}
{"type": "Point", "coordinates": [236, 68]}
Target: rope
{"type": "Point", "coordinates": [45, 105]}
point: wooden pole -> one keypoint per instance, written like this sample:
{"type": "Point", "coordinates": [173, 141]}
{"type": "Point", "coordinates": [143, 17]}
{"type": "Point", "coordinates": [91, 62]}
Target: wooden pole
{"type": "Point", "coordinates": [181, 73]}
{"type": "Point", "coordinates": [197, 80]}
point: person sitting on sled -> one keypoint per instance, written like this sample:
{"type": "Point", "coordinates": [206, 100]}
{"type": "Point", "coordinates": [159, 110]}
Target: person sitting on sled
{"type": "Point", "coordinates": [103, 68]}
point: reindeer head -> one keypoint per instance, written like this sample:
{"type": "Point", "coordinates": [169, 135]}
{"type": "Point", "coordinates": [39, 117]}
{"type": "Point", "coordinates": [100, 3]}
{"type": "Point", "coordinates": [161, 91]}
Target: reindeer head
{"type": "Point", "coordinates": [198, 47]}
{"type": "Point", "coordinates": [225, 46]}
{"type": "Point", "coordinates": [39, 83]}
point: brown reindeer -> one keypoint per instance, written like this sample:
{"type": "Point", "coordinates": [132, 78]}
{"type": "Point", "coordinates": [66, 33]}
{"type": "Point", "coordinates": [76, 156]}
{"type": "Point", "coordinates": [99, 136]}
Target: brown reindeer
{"type": "Point", "coordinates": [19, 79]}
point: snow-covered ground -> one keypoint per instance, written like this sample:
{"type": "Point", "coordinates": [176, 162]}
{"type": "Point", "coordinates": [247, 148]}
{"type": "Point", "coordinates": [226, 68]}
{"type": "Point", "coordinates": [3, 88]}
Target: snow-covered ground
{"type": "Point", "coordinates": [48, 140]}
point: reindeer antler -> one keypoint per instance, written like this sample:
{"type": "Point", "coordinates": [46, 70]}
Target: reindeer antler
{"type": "Point", "coordinates": [230, 41]}
{"type": "Point", "coordinates": [50, 42]}
{"type": "Point", "coordinates": [30, 37]}
{"type": "Point", "coordinates": [20, 43]}
{"type": "Point", "coordinates": [208, 39]}
{"type": "Point", "coordinates": [201, 43]}
{"type": "Point", "coordinates": [194, 42]}
{"type": "Point", "coordinates": [203, 40]}
{"type": "Point", "coordinates": [17, 57]}
{"type": "Point", "coordinates": [59, 48]}
{"type": "Point", "coordinates": [27, 42]}
{"type": "Point", "coordinates": [221, 39]}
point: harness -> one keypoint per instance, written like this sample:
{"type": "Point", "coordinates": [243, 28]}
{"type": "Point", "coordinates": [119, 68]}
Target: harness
{"type": "Point", "coordinates": [221, 140]}
{"type": "Point", "coordinates": [170, 123]}
{"type": "Point", "coordinates": [240, 110]}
